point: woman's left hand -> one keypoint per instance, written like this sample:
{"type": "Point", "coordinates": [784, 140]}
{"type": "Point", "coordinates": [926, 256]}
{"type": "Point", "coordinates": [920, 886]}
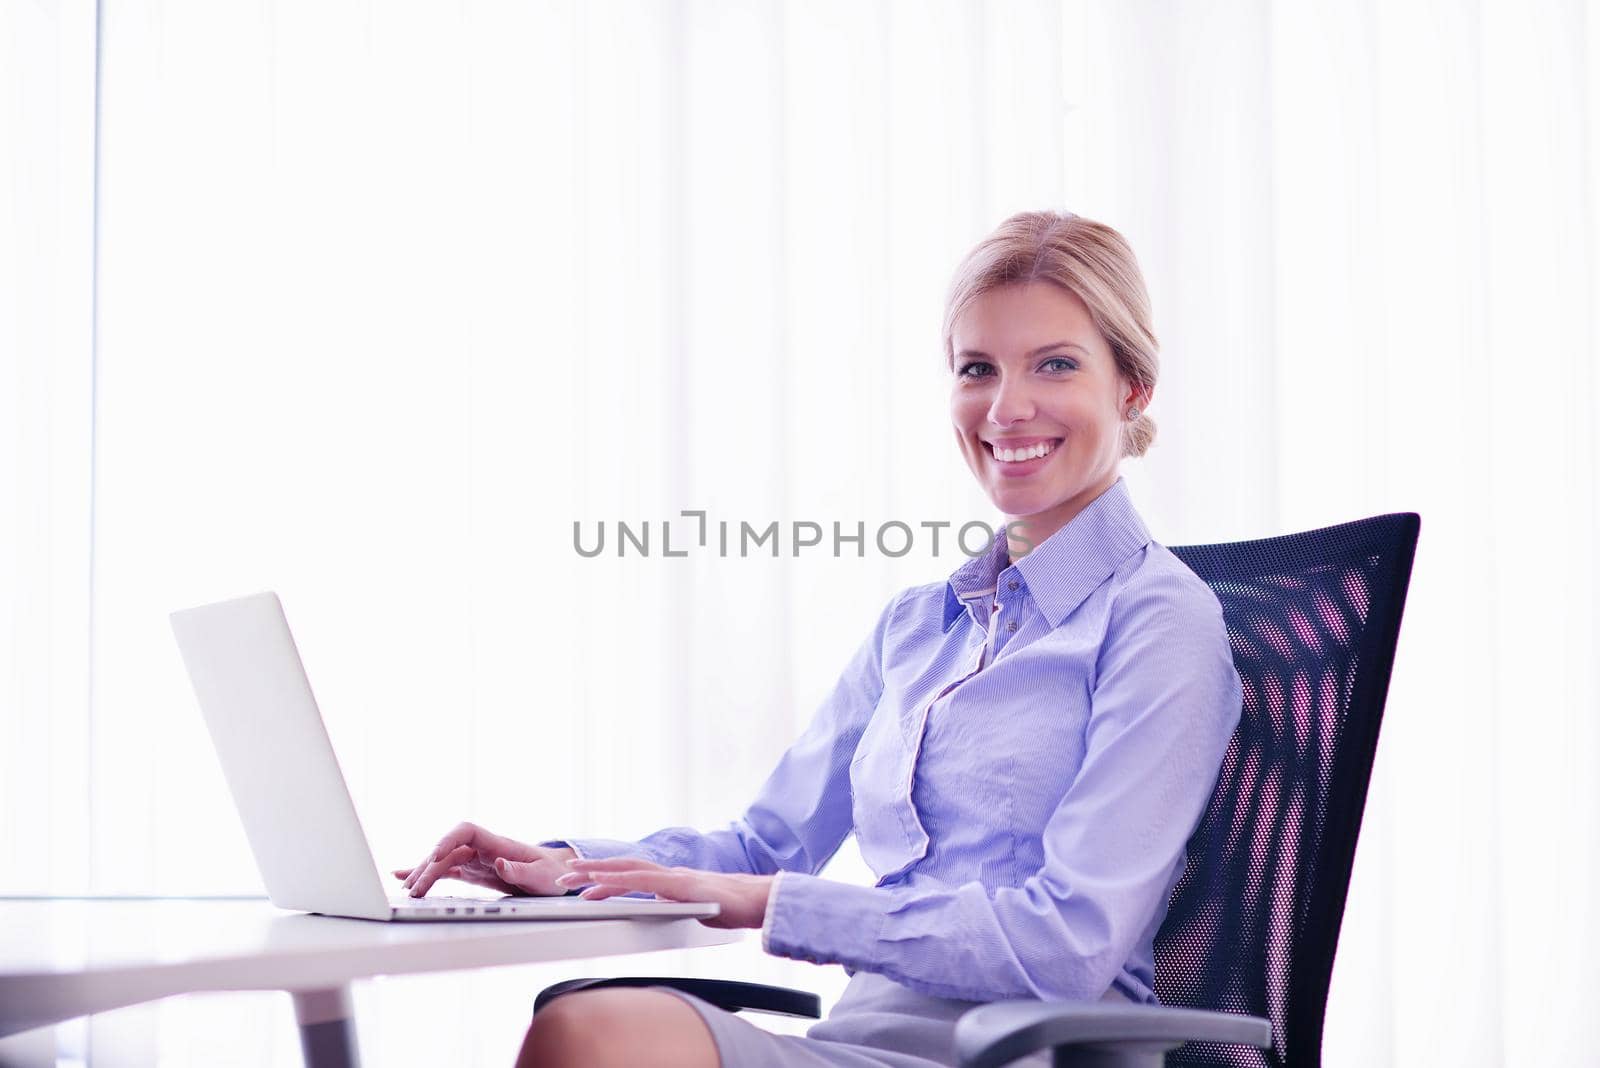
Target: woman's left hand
{"type": "Point", "coordinates": [743, 897]}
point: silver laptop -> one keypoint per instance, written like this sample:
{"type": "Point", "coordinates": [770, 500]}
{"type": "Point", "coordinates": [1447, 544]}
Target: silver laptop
{"type": "Point", "coordinates": [291, 796]}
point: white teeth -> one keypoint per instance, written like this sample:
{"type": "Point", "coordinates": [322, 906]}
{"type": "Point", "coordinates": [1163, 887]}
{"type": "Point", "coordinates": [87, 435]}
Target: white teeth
{"type": "Point", "coordinates": [1032, 452]}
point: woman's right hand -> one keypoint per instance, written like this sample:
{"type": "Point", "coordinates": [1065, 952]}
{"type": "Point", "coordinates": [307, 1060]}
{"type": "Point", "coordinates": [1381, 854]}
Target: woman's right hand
{"type": "Point", "coordinates": [480, 857]}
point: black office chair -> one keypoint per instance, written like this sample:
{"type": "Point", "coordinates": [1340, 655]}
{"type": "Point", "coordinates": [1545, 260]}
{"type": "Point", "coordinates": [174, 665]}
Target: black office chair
{"type": "Point", "coordinates": [1243, 960]}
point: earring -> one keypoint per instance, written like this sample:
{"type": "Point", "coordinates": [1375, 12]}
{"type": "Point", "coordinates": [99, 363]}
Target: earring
{"type": "Point", "coordinates": [1133, 413]}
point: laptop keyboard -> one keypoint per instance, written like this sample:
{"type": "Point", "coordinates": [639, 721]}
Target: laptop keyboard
{"type": "Point", "coordinates": [408, 902]}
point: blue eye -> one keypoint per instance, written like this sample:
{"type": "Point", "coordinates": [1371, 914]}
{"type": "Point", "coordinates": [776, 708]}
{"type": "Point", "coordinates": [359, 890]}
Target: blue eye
{"type": "Point", "coordinates": [967, 370]}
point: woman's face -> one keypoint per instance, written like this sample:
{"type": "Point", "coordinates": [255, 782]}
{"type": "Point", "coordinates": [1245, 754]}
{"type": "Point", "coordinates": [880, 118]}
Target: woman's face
{"type": "Point", "coordinates": [1034, 375]}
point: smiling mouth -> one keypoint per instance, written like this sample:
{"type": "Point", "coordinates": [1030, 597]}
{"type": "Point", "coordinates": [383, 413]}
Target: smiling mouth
{"type": "Point", "coordinates": [1022, 456]}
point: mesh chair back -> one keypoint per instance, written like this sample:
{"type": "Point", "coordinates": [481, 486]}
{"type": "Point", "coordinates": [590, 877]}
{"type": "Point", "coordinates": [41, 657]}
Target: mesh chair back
{"type": "Point", "coordinates": [1313, 618]}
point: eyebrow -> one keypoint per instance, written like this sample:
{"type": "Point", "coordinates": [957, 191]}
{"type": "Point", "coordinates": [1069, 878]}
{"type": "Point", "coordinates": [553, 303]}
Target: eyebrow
{"type": "Point", "coordinates": [1040, 351]}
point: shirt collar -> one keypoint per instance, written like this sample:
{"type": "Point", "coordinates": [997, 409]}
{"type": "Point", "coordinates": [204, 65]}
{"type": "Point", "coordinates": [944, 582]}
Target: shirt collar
{"type": "Point", "coordinates": [1063, 569]}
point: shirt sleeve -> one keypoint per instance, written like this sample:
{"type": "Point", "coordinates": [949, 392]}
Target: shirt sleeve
{"type": "Point", "coordinates": [1164, 704]}
{"type": "Point", "coordinates": [802, 813]}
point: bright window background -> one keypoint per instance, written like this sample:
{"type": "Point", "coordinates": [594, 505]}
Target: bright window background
{"type": "Point", "coordinates": [388, 296]}
{"type": "Point", "coordinates": [46, 434]}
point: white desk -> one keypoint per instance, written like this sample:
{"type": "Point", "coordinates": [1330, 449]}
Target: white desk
{"type": "Point", "coordinates": [60, 959]}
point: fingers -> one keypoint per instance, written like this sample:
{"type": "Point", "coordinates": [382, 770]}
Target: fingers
{"type": "Point", "coordinates": [462, 834]}
{"type": "Point", "coordinates": [518, 874]}
{"type": "Point", "coordinates": [481, 848]}
{"type": "Point", "coordinates": [663, 885]}
{"type": "Point", "coordinates": [421, 882]}
{"type": "Point", "coordinates": [416, 872]}
{"type": "Point", "coordinates": [743, 898]}
{"type": "Point", "coordinates": [585, 871]}
{"type": "Point", "coordinates": [405, 873]}
{"type": "Point", "coordinates": [677, 884]}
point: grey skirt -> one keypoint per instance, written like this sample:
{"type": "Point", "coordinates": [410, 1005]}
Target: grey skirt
{"type": "Point", "coordinates": [876, 1023]}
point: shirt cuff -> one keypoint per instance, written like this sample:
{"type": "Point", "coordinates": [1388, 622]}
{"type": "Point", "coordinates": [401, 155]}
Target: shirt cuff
{"type": "Point", "coordinates": [772, 908]}
{"type": "Point", "coordinates": [823, 921]}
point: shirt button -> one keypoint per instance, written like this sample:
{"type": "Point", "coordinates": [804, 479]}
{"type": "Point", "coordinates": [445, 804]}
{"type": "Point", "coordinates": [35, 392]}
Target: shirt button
{"type": "Point", "coordinates": [1011, 585]}
{"type": "Point", "coordinates": [1012, 625]}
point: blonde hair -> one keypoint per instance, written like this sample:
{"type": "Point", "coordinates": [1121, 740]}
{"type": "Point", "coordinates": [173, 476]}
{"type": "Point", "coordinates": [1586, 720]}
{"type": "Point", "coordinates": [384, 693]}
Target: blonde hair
{"type": "Point", "coordinates": [1086, 258]}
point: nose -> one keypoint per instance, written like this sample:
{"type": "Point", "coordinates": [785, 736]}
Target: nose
{"type": "Point", "coordinates": [1013, 403]}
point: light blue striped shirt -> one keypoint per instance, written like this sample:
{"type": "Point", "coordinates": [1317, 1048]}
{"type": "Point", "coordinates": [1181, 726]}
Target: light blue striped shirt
{"type": "Point", "coordinates": [1022, 788]}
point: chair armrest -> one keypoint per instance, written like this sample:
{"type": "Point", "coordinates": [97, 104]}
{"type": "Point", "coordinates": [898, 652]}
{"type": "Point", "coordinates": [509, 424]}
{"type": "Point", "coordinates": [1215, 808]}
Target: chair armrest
{"type": "Point", "coordinates": [1134, 1035]}
{"type": "Point", "coordinates": [723, 993]}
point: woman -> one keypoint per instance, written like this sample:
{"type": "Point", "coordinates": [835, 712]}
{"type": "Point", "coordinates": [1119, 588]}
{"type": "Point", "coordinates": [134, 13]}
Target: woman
{"type": "Point", "coordinates": [1022, 751]}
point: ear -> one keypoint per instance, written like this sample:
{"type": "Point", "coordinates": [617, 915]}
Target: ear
{"type": "Point", "coordinates": [1136, 397]}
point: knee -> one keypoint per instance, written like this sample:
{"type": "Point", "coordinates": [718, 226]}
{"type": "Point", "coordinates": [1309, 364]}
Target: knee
{"type": "Point", "coordinates": [563, 1031]}
{"type": "Point", "coordinates": [615, 1026]}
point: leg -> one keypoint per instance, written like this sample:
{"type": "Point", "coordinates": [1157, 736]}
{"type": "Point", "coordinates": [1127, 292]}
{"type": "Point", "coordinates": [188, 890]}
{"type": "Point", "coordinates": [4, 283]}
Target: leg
{"type": "Point", "coordinates": [327, 1037]}
{"type": "Point", "coordinates": [618, 1027]}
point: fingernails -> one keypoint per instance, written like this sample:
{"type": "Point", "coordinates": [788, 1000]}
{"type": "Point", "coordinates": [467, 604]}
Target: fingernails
{"type": "Point", "coordinates": [570, 879]}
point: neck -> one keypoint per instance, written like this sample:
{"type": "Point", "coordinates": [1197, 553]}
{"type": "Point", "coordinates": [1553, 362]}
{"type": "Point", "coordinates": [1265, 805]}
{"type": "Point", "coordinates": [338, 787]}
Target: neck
{"type": "Point", "coordinates": [1025, 533]}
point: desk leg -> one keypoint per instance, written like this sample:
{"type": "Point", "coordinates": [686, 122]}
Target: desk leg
{"type": "Point", "coordinates": [327, 1032]}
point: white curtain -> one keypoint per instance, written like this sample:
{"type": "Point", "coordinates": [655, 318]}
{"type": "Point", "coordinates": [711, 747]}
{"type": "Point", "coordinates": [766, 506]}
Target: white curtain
{"type": "Point", "coordinates": [386, 297]}
{"type": "Point", "coordinates": [46, 434]}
